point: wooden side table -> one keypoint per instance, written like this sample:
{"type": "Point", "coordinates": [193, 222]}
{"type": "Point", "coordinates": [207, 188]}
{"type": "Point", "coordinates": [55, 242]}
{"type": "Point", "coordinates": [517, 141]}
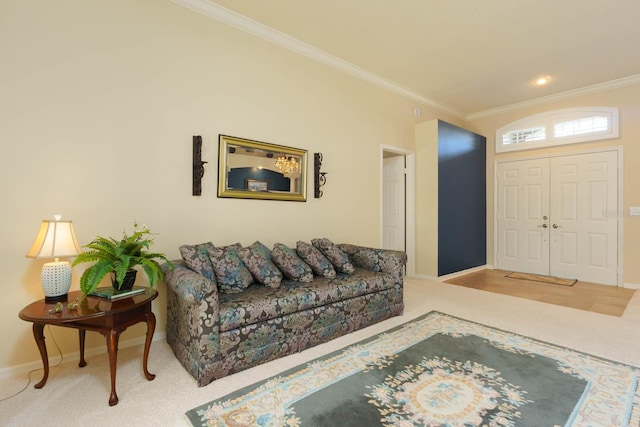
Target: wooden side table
{"type": "Point", "coordinates": [110, 318]}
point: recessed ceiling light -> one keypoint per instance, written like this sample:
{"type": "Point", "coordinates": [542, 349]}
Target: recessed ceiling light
{"type": "Point", "coordinates": [541, 81]}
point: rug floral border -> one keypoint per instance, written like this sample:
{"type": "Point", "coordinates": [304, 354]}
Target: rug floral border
{"type": "Point", "coordinates": [612, 390]}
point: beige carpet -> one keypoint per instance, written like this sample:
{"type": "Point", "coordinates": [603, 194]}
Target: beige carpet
{"type": "Point", "coordinates": [78, 397]}
{"type": "Point", "coordinates": [543, 279]}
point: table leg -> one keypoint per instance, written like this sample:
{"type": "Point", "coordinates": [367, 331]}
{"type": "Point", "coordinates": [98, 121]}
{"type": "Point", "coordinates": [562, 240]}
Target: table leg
{"type": "Point", "coordinates": [82, 333]}
{"type": "Point", "coordinates": [112, 347]}
{"type": "Point", "coordinates": [38, 334]}
{"type": "Point", "coordinates": [151, 326]}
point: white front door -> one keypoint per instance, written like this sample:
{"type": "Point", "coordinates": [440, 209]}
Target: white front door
{"type": "Point", "coordinates": [393, 210]}
{"type": "Point", "coordinates": [584, 234]}
{"type": "Point", "coordinates": [523, 210]}
{"type": "Point", "coordinates": [554, 217]}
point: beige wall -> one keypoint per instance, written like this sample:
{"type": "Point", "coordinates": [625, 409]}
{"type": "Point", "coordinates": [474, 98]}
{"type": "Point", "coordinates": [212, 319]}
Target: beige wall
{"type": "Point", "coordinates": [628, 101]}
{"type": "Point", "coordinates": [100, 100]}
{"type": "Point", "coordinates": [426, 147]}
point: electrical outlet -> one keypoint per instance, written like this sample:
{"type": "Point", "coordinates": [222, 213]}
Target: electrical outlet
{"type": "Point", "coordinates": [634, 211]}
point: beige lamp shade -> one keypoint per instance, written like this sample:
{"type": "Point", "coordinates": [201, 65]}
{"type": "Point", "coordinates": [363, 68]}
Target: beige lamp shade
{"type": "Point", "coordinates": [54, 240]}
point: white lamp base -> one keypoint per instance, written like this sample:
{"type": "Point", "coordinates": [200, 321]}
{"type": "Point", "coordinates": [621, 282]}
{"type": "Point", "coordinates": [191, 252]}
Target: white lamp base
{"type": "Point", "coordinates": [56, 280]}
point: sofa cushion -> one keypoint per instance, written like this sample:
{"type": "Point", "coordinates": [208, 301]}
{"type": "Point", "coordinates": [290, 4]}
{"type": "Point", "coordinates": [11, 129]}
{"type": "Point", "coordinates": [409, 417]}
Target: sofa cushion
{"type": "Point", "coordinates": [257, 258]}
{"type": "Point", "coordinates": [259, 303]}
{"type": "Point", "coordinates": [196, 257]}
{"type": "Point", "coordinates": [337, 256]}
{"type": "Point", "coordinates": [231, 273]}
{"type": "Point", "coordinates": [293, 267]}
{"type": "Point", "coordinates": [319, 263]}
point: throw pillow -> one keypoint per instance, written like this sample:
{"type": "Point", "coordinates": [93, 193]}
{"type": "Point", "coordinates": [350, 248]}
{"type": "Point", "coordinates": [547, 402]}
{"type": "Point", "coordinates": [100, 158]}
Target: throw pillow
{"type": "Point", "coordinates": [231, 273]}
{"type": "Point", "coordinates": [196, 257]}
{"type": "Point", "coordinates": [314, 258]}
{"type": "Point", "coordinates": [257, 258]}
{"type": "Point", "coordinates": [337, 256]}
{"type": "Point", "coordinates": [293, 267]}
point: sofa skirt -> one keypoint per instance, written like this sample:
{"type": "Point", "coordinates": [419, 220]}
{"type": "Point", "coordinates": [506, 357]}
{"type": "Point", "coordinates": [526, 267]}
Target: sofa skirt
{"type": "Point", "coordinates": [268, 340]}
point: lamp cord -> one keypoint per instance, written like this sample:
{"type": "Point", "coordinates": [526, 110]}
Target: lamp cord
{"type": "Point", "coordinates": [38, 369]}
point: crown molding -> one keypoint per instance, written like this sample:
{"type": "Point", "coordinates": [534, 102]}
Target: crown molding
{"type": "Point", "coordinates": [257, 29]}
{"type": "Point", "coordinates": [600, 87]}
{"type": "Point", "coordinates": [269, 34]}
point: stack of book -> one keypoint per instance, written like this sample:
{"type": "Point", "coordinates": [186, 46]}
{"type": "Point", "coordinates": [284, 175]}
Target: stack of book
{"type": "Point", "coordinates": [111, 293]}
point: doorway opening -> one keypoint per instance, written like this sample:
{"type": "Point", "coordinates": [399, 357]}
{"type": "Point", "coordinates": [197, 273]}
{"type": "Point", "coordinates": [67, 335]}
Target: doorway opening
{"type": "Point", "coordinates": [397, 202]}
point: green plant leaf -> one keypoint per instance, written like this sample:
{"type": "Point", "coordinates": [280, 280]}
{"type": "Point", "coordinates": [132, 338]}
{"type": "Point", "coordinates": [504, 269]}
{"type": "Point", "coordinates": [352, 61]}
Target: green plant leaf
{"type": "Point", "coordinates": [152, 269]}
{"type": "Point", "coordinates": [92, 276]}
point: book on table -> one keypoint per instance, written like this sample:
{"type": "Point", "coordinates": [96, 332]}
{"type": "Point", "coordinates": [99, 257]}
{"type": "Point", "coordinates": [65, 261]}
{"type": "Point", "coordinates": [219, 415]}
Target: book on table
{"type": "Point", "coordinates": [112, 293]}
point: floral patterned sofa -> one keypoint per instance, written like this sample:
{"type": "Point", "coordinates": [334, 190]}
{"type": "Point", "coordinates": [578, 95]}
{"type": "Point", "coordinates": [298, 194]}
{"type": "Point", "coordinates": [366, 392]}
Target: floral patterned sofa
{"type": "Point", "coordinates": [215, 331]}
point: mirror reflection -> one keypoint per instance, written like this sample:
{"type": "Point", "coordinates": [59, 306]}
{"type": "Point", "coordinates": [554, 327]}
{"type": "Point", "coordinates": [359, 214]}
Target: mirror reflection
{"type": "Point", "coordinates": [259, 170]}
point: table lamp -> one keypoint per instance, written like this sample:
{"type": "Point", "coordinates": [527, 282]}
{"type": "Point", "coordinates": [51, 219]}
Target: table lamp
{"type": "Point", "coordinates": [55, 239]}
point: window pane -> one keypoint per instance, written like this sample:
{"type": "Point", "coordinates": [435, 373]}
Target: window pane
{"type": "Point", "coordinates": [581, 126]}
{"type": "Point", "coordinates": [523, 135]}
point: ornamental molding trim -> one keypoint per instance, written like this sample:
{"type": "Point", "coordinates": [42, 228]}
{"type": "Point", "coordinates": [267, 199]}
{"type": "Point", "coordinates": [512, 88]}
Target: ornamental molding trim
{"type": "Point", "coordinates": [264, 32]}
{"type": "Point", "coordinates": [599, 87]}
{"type": "Point", "coordinates": [241, 22]}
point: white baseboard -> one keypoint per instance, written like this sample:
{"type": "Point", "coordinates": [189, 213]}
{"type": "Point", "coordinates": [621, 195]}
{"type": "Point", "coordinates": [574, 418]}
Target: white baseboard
{"type": "Point", "coordinates": [73, 357]}
{"type": "Point", "coordinates": [422, 277]}
{"type": "Point", "coordinates": [452, 275]}
{"type": "Point", "coordinates": [463, 272]}
{"type": "Point", "coordinates": [631, 285]}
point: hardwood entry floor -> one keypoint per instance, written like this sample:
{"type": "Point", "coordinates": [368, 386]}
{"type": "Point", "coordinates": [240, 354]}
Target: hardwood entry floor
{"type": "Point", "coordinates": [604, 299]}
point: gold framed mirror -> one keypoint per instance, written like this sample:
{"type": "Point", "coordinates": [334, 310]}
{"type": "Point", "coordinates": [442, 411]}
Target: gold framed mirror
{"type": "Point", "coordinates": [258, 170]}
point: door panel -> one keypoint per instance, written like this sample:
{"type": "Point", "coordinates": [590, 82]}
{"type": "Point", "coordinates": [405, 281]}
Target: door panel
{"type": "Point", "coordinates": [393, 215]}
{"type": "Point", "coordinates": [583, 241]}
{"type": "Point", "coordinates": [522, 206]}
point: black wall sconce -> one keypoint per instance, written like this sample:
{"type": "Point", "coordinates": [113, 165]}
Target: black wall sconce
{"type": "Point", "coordinates": [198, 165]}
{"type": "Point", "coordinates": [319, 178]}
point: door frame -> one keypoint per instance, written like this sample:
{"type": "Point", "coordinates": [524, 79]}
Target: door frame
{"type": "Point", "coordinates": [410, 201]}
{"type": "Point", "coordinates": [619, 212]}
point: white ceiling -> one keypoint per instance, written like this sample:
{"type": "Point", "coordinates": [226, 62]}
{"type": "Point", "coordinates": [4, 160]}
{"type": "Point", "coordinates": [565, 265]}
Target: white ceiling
{"type": "Point", "coordinates": [469, 57]}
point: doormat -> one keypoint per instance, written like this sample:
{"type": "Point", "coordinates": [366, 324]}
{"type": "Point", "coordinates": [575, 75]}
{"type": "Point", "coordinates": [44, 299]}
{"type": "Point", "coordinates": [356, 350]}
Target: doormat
{"type": "Point", "coordinates": [438, 370]}
{"type": "Point", "coordinates": [541, 278]}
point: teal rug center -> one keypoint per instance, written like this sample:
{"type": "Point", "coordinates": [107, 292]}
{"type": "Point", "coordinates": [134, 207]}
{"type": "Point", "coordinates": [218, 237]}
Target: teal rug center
{"type": "Point", "coordinates": [444, 380]}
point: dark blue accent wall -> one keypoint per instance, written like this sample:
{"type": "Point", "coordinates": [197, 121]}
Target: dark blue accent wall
{"type": "Point", "coordinates": [462, 206]}
{"type": "Point", "coordinates": [276, 181]}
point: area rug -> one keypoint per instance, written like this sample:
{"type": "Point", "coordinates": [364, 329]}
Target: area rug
{"type": "Point", "coordinates": [543, 279]}
{"type": "Point", "coordinates": [438, 370]}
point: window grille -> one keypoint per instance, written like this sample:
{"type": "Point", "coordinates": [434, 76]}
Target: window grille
{"type": "Point", "coordinates": [523, 135]}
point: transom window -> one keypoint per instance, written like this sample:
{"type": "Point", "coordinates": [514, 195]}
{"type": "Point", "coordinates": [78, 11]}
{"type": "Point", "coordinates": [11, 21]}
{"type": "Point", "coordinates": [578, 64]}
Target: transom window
{"type": "Point", "coordinates": [558, 127]}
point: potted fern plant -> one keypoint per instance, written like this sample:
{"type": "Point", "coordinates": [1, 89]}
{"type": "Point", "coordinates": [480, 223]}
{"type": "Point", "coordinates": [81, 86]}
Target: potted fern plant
{"type": "Point", "coordinates": [119, 257]}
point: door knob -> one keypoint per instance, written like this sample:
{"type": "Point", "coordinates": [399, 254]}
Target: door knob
{"type": "Point", "coordinates": [556, 226]}
{"type": "Point", "coordinates": [544, 225]}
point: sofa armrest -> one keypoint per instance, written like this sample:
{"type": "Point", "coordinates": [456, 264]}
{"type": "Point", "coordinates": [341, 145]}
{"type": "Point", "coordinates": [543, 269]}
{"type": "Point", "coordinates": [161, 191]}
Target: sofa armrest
{"type": "Point", "coordinates": [382, 260]}
{"type": "Point", "coordinates": [193, 317]}
{"type": "Point", "coordinates": [187, 284]}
